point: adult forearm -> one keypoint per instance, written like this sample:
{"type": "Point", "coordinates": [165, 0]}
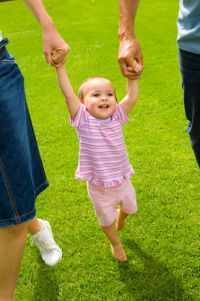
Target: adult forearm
{"type": "Point", "coordinates": [127, 13]}
{"type": "Point", "coordinates": [51, 38]}
{"type": "Point", "coordinates": [38, 10]}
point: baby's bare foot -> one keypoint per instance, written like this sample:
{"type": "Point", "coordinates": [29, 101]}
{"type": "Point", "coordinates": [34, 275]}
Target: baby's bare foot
{"type": "Point", "coordinates": [120, 222]}
{"type": "Point", "coordinates": [118, 253]}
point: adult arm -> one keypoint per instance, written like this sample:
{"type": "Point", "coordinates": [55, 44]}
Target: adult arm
{"type": "Point", "coordinates": [51, 38]}
{"type": "Point", "coordinates": [129, 48]}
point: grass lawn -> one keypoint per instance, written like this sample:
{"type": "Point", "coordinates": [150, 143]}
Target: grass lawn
{"type": "Point", "coordinates": [162, 240]}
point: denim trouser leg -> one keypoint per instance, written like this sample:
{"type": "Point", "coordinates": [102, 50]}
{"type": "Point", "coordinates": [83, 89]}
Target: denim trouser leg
{"type": "Point", "coordinates": [190, 70]}
{"type": "Point", "coordinates": [22, 176]}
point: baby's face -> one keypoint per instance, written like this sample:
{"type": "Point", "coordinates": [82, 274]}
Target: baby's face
{"type": "Point", "coordinates": [99, 98]}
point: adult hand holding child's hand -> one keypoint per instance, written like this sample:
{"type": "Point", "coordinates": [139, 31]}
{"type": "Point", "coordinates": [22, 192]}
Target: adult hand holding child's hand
{"type": "Point", "coordinates": [52, 41]}
{"type": "Point", "coordinates": [59, 57]}
{"type": "Point", "coordinates": [137, 68]}
{"type": "Point", "coordinates": [130, 58]}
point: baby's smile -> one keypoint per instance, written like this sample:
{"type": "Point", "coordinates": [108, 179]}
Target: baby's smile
{"type": "Point", "coordinates": [104, 106]}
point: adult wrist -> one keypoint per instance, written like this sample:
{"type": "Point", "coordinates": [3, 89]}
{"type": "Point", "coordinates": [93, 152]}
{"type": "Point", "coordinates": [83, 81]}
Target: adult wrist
{"type": "Point", "coordinates": [124, 35]}
{"type": "Point", "coordinates": [126, 31]}
{"type": "Point", "coordinates": [47, 23]}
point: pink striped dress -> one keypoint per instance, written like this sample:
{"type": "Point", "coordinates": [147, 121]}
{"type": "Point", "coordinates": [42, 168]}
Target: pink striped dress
{"type": "Point", "coordinates": [103, 158]}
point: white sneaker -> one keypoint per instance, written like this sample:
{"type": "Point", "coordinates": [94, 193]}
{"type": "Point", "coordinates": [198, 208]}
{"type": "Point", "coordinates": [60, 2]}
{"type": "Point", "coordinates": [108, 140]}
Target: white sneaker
{"type": "Point", "coordinates": [49, 250]}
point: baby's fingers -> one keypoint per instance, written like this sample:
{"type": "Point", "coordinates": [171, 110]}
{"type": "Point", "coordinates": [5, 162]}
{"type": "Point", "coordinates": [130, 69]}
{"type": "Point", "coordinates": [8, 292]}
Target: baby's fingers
{"type": "Point", "coordinates": [137, 68]}
{"type": "Point", "coordinates": [58, 56]}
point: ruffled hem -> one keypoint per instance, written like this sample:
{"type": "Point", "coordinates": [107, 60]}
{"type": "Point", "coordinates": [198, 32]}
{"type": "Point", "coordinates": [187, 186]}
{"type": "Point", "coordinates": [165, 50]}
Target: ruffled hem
{"type": "Point", "coordinates": [110, 183]}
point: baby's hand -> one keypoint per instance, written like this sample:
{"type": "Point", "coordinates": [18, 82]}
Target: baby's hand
{"type": "Point", "coordinates": [57, 55]}
{"type": "Point", "coordinates": [137, 67]}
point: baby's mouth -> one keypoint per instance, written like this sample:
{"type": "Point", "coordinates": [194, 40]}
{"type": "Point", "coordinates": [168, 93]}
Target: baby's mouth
{"type": "Point", "coordinates": [104, 106]}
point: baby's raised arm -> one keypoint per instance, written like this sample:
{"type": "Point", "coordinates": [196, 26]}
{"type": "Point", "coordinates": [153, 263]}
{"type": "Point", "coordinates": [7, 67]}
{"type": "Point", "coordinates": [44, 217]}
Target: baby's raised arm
{"type": "Point", "coordinates": [71, 99]}
{"type": "Point", "coordinates": [129, 101]}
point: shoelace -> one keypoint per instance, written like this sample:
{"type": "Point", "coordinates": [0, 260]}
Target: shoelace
{"type": "Point", "coordinates": [46, 245]}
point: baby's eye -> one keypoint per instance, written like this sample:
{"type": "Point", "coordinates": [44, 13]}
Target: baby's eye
{"type": "Point", "coordinates": [96, 94]}
{"type": "Point", "coordinates": [110, 94]}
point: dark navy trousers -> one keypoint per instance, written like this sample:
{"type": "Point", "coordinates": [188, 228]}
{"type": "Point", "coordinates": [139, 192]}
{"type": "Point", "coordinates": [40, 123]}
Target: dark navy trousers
{"type": "Point", "coordinates": [190, 70]}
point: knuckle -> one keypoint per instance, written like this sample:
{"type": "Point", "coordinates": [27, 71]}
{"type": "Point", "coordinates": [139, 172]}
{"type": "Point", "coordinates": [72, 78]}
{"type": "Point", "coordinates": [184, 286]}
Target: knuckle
{"type": "Point", "coordinates": [120, 59]}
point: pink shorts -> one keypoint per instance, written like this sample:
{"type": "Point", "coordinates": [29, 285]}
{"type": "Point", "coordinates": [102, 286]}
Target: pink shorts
{"type": "Point", "coordinates": [105, 200]}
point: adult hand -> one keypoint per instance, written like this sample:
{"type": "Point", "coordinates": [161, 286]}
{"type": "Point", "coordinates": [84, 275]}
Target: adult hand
{"type": "Point", "coordinates": [51, 42]}
{"type": "Point", "coordinates": [56, 55]}
{"type": "Point", "coordinates": [129, 52]}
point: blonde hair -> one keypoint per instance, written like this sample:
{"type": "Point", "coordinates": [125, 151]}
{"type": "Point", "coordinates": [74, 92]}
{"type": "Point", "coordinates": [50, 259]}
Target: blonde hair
{"type": "Point", "coordinates": [81, 88]}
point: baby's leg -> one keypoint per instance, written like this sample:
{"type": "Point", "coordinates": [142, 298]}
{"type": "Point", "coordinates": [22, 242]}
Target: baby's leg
{"type": "Point", "coordinates": [121, 220]}
{"type": "Point", "coordinates": [116, 246]}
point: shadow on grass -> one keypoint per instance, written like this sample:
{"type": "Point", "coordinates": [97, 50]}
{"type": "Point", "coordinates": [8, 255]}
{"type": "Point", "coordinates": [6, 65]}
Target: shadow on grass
{"type": "Point", "coordinates": [149, 280]}
{"type": "Point", "coordinates": [47, 287]}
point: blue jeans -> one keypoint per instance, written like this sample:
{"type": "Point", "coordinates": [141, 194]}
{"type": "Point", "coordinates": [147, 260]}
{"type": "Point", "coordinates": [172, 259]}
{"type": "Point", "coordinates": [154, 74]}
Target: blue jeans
{"type": "Point", "coordinates": [22, 176]}
{"type": "Point", "coordinates": [190, 70]}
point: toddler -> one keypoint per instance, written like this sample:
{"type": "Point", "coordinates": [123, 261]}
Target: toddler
{"type": "Point", "coordinates": [103, 159]}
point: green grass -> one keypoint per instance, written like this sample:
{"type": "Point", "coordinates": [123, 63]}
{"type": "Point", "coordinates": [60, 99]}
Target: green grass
{"type": "Point", "coordinates": [162, 240]}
